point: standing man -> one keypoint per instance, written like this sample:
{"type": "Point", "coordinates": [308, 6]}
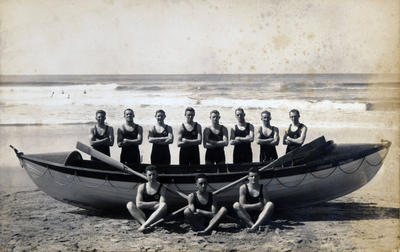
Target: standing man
{"type": "Point", "coordinates": [189, 139]}
{"type": "Point", "coordinates": [241, 137]}
{"type": "Point", "coordinates": [267, 138]}
{"type": "Point", "coordinates": [150, 200]}
{"type": "Point", "coordinates": [101, 135]}
{"type": "Point", "coordinates": [129, 137]}
{"type": "Point", "coordinates": [296, 134]}
{"type": "Point", "coordinates": [253, 204]}
{"type": "Point", "coordinates": [215, 139]}
{"type": "Point", "coordinates": [161, 136]}
{"type": "Point", "coordinates": [201, 212]}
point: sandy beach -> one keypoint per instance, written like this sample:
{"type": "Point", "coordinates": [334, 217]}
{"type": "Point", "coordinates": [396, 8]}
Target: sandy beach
{"type": "Point", "coordinates": [367, 219]}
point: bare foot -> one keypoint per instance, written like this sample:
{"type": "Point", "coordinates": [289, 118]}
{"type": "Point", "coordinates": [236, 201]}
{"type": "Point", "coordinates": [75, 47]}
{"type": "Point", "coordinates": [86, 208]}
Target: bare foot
{"type": "Point", "coordinates": [203, 233]}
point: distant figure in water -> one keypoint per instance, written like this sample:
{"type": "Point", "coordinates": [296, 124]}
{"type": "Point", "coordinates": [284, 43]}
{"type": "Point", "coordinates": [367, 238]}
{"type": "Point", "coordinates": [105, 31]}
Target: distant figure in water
{"type": "Point", "coordinates": [254, 207]}
{"type": "Point", "coordinates": [129, 137]}
{"type": "Point", "coordinates": [150, 200]}
{"type": "Point", "coordinates": [202, 213]}
{"type": "Point", "coordinates": [84, 91]}
{"type": "Point", "coordinates": [160, 135]}
{"type": "Point", "coordinates": [296, 134]}
{"type": "Point", "coordinates": [215, 138]}
{"type": "Point", "coordinates": [241, 137]}
{"type": "Point", "coordinates": [101, 135]}
{"type": "Point", "coordinates": [189, 139]}
{"type": "Point", "coordinates": [52, 94]}
{"type": "Point", "coordinates": [267, 138]}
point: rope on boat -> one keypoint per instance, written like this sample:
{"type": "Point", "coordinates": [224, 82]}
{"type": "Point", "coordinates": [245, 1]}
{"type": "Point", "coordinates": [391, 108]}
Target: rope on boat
{"type": "Point", "coordinates": [358, 167]}
{"type": "Point", "coordinates": [38, 176]}
{"type": "Point", "coordinates": [379, 163]}
{"type": "Point", "coordinates": [60, 183]}
{"type": "Point", "coordinates": [119, 188]}
{"type": "Point", "coordinates": [301, 181]}
{"type": "Point", "coordinates": [84, 183]}
{"type": "Point", "coordinates": [323, 177]}
{"type": "Point", "coordinates": [177, 188]}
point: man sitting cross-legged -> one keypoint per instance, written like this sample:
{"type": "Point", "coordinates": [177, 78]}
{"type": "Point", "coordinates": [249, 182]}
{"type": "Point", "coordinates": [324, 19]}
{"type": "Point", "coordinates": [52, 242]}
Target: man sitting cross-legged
{"type": "Point", "coordinates": [150, 200]}
{"type": "Point", "coordinates": [201, 212]}
{"type": "Point", "coordinates": [253, 204]}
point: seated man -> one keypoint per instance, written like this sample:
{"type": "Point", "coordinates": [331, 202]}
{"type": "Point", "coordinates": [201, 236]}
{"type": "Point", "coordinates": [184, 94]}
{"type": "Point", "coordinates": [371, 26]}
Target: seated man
{"type": "Point", "coordinates": [201, 212]}
{"type": "Point", "coordinates": [253, 202]}
{"type": "Point", "coordinates": [150, 200]}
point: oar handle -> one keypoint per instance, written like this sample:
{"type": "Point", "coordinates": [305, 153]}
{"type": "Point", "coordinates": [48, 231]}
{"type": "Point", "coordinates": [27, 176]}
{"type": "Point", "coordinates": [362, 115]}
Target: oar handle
{"type": "Point", "coordinates": [108, 160]}
{"type": "Point", "coordinates": [169, 216]}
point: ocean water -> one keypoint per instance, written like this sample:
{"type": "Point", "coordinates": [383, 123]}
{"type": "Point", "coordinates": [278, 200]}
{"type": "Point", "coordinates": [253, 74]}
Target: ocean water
{"type": "Point", "coordinates": [326, 100]}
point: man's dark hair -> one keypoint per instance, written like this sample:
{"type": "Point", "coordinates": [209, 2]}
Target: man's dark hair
{"type": "Point", "coordinates": [151, 168]}
{"type": "Point", "coordinates": [101, 112]}
{"type": "Point", "coordinates": [199, 176]}
{"type": "Point", "coordinates": [254, 170]}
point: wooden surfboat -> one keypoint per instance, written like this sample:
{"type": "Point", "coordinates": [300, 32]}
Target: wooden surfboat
{"type": "Point", "coordinates": [316, 172]}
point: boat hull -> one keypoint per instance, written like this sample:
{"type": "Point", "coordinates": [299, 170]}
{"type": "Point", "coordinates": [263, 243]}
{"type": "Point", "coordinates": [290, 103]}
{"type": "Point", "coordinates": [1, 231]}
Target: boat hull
{"type": "Point", "coordinates": [112, 190]}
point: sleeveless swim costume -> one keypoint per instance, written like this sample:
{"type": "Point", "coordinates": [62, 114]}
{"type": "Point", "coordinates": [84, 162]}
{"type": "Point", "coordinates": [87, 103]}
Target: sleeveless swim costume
{"type": "Point", "coordinates": [149, 198]}
{"type": "Point", "coordinates": [267, 152]}
{"type": "Point", "coordinates": [189, 155]}
{"type": "Point", "coordinates": [242, 152]}
{"type": "Point", "coordinates": [130, 154]}
{"type": "Point", "coordinates": [199, 205]}
{"type": "Point", "coordinates": [294, 134]}
{"type": "Point", "coordinates": [253, 200]}
{"type": "Point", "coordinates": [216, 155]}
{"type": "Point", "coordinates": [105, 149]}
{"type": "Point", "coordinates": [160, 152]}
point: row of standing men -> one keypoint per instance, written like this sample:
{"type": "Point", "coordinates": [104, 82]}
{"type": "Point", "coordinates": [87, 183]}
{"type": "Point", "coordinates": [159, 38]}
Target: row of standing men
{"type": "Point", "coordinates": [190, 136]}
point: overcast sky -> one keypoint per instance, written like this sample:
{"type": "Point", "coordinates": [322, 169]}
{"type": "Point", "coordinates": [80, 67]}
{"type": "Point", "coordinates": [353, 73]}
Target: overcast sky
{"type": "Point", "coordinates": [183, 37]}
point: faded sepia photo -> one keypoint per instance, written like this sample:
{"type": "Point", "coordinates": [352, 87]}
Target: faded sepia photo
{"type": "Point", "coordinates": [334, 66]}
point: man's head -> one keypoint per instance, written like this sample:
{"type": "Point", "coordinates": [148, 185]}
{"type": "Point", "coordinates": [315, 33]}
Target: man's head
{"type": "Point", "coordinates": [201, 182]}
{"type": "Point", "coordinates": [189, 114]}
{"type": "Point", "coordinates": [151, 173]}
{"type": "Point", "coordinates": [239, 113]}
{"type": "Point", "coordinates": [160, 115]}
{"type": "Point", "coordinates": [129, 114]}
{"type": "Point", "coordinates": [294, 115]}
{"type": "Point", "coordinates": [253, 175]}
{"type": "Point", "coordinates": [214, 116]}
{"type": "Point", "coordinates": [265, 116]}
{"type": "Point", "coordinates": [100, 115]}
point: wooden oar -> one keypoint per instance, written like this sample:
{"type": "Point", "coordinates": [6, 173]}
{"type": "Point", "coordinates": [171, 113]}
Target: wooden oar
{"type": "Point", "coordinates": [108, 160]}
{"type": "Point", "coordinates": [315, 144]}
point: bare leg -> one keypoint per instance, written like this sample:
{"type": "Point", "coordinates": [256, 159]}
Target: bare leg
{"type": "Point", "coordinates": [242, 213]}
{"type": "Point", "coordinates": [136, 212]}
{"type": "Point", "coordinates": [155, 216]}
{"type": "Point", "coordinates": [265, 214]}
{"type": "Point", "coordinates": [214, 221]}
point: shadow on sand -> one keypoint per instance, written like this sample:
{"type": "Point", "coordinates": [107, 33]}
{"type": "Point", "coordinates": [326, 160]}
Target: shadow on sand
{"type": "Point", "coordinates": [339, 211]}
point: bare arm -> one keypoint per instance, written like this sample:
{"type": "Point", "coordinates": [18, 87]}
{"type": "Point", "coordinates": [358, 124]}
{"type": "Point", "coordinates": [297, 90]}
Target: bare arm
{"type": "Point", "coordinates": [92, 139]}
{"type": "Point", "coordinates": [158, 140]}
{"type": "Point", "coordinates": [137, 141]}
{"type": "Point", "coordinates": [242, 200]}
{"type": "Point", "coordinates": [190, 142]}
{"type": "Point", "coordinates": [247, 139]}
{"type": "Point", "coordinates": [299, 140]}
{"type": "Point", "coordinates": [111, 136]}
{"type": "Point", "coordinates": [274, 140]}
{"type": "Point", "coordinates": [139, 199]}
{"type": "Point", "coordinates": [232, 138]}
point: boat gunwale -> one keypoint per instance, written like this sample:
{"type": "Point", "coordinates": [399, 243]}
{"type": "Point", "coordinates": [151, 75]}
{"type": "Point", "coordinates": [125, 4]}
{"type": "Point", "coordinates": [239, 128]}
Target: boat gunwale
{"type": "Point", "coordinates": [275, 171]}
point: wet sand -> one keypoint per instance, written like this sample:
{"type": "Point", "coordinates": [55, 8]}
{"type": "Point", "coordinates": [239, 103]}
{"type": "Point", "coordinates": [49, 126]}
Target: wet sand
{"type": "Point", "coordinates": [367, 219]}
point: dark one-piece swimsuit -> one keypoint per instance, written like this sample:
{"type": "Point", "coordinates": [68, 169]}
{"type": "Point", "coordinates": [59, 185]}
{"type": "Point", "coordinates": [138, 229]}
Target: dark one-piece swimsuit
{"type": "Point", "coordinates": [242, 152]}
{"type": "Point", "coordinates": [189, 155]}
{"type": "Point", "coordinates": [254, 200]}
{"type": "Point", "coordinates": [105, 149]}
{"type": "Point", "coordinates": [149, 198]}
{"type": "Point", "coordinates": [160, 152]}
{"type": "Point", "coordinates": [130, 154]}
{"type": "Point", "coordinates": [216, 155]}
{"type": "Point", "coordinates": [202, 222]}
{"type": "Point", "coordinates": [267, 152]}
{"type": "Point", "coordinates": [294, 134]}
